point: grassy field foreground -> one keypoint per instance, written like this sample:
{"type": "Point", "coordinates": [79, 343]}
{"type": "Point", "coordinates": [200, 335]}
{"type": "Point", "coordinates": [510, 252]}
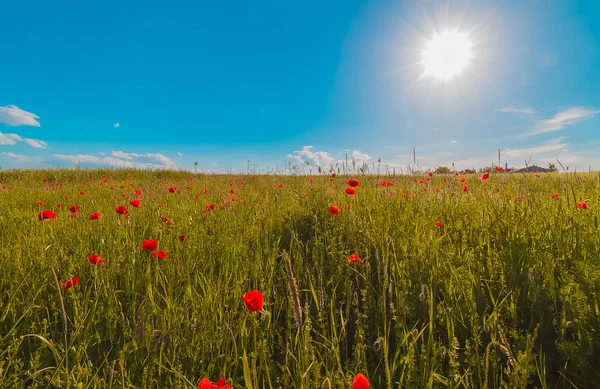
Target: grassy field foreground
{"type": "Point", "coordinates": [503, 293]}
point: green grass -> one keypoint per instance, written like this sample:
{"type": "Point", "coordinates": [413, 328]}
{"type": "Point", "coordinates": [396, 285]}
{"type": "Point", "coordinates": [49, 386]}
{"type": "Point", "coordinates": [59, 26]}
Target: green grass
{"type": "Point", "coordinates": [504, 295]}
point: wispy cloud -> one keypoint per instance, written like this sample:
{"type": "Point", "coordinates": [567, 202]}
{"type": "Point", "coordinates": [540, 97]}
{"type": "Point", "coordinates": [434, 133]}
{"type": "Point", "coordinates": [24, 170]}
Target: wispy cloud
{"type": "Point", "coordinates": [18, 157]}
{"type": "Point", "coordinates": [12, 115]}
{"type": "Point", "coordinates": [563, 119]}
{"type": "Point", "coordinates": [180, 153]}
{"type": "Point", "coordinates": [123, 160]}
{"type": "Point", "coordinates": [12, 139]}
{"type": "Point", "coordinates": [513, 109]}
{"type": "Point", "coordinates": [117, 125]}
{"type": "Point", "coordinates": [6, 140]}
{"type": "Point", "coordinates": [38, 144]}
{"type": "Point", "coordinates": [549, 146]}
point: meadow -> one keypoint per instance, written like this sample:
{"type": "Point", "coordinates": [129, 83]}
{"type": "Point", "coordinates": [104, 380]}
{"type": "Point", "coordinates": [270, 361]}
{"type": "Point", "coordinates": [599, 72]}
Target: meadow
{"type": "Point", "coordinates": [413, 281]}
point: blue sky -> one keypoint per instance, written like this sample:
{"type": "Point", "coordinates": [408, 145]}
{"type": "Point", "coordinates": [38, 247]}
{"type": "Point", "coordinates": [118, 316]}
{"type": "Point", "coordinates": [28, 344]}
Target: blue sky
{"type": "Point", "coordinates": [165, 84]}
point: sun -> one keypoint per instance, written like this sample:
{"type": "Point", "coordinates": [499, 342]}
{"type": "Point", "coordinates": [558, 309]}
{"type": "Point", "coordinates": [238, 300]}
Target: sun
{"type": "Point", "coordinates": [447, 54]}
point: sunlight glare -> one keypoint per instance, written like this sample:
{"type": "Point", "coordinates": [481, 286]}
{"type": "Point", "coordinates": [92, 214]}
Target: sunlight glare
{"type": "Point", "coordinates": [447, 54]}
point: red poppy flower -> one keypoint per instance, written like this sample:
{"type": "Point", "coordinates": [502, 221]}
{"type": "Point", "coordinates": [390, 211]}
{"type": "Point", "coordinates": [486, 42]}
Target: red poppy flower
{"type": "Point", "coordinates": [205, 191]}
{"type": "Point", "coordinates": [160, 254]}
{"type": "Point", "coordinates": [95, 216]}
{"type": "Point", "coordinates": [46, 214]}
{"type": "Point", "coordinates": [95, 259]}
{"type": "Point", "coordinates": [499, 168]}
{"type": "Point", "coordinates": [58, 205]}
{"type": "Point", "coordinates": [465, 188]}
{"type": "Point", "coordinates": [138, 192]}
{"type": "Point", "coordinates": [484, 176]}
{"type": "Point", "coordinates": [280, 185]}
{"type": "Point", "coordinates": [421, 182]}
{"type": "Point", "coordinates": [172, 190]}
{"type": "Point", "coordinates": [463, 180]}
{"type": "Point", "coordinates": [135, 203]}
{"type": "Point", "coordinates": [181, 238]}
{"type": "Point", "coordinates": [150, 244]}
{"type": "Point", "coordinates": [456, 173]}
{"type": "Point", "coordinates": [582, 205]}
{"type": "Point", "coordinates": [353, 183]}
{"type": "Point", "coordinates": [74, 208]}
{"type": "Point", "coordinates": [335, 210]}
{"type": "Point", "coordinates": [537, 175]}
{"type": "Point", "coordinates": [351, 191]}
{"type": "Point", "coordinates": [40, 203]}
{"type": "Point", "coordinates": [231, 191]}
{"type": "Point", "coordinates": [430, 174]}
{"type": "Point", "coordinates": [254, 300]}
{"type": "Point", "coordinates": [360, 382]}
{"type": "Point", "coordinates": [438, 224]}
{"type": "Point", "coordinates": [121, 210]}
{"type": "Point", "coordinates": [72, 215]}
{"type": "Point", "coordinates": [353, 258]}
{"type": "Point", "coordinates": [209, 208]}
{"type": "Point", "coordinates": [519, 198]}
{"type": "Point", "coordinates": [437, 190]}
{"type": "Point", "coordinates": [207, 384]}
{"type": "Point", "coordinates": [554, 196]}
{"type": "Point", "coordinates": [71, 282]}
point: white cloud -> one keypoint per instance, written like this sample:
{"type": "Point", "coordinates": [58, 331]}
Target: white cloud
{"type": "Point", "coordinates": [18, 157]}
{"type": "Point", "coordinates": [180, 153]}
{"type": "Point", "coordinates": [453, 141]}
{"type": "Point", "coordinates": [6, 140]}
{"type": "Point", "coordinates": [435, 129]}
{"type": "Point", "coordinates": [316, 157]}
{"type": "Point", "coordinates": [14, 136]}
{"type": "Point", "coordinates": [551, 145]}
{"type": "Point", "coordinates": [359, 157]}
{"type": "Point", "coordinates": [117, 125]}
{"type": "Point", "coordinates": [14, 116]}
{"type": "Point", "coordinates": [513, 109]}
{"type": "Point", "coordinates": [120, 154]}
{"type": "Point", "coordinates": [563, 119]}
{"type": "Point", "coordinates": [38, 144]}
{"type": "Point", "coordinates": [123, 160]}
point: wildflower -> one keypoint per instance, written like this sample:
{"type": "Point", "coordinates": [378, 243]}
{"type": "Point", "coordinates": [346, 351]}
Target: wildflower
{"type": "Point", "coordinates": [40, 203]}
{"type": "Point", "coordinates": [430, 174]}
{"type": "Point", "coordinates": [353, 183]}
{"type": "Point", "coordinates": [71, 282]}
{"type": "Point", "coordinates": [354, 258]}
{"type": "Point", "coordinates": [150, 244]}
{"type": "Point", "coordinates": [172, 190]}
{"type": "Point", "coordinates": [499, 168]}
{"type": "Point", "coordinates": [335, 210]}
{"type": "Point", "coordinates": [351, 191]}
{"type": "Point", "coordinates": [253, 300]}
{"type": "Point", "coordinates": [465, 188]}
{"type": "Point", "coordinates": [360, 382]}
{"type": "Point", "coordinates": [46, 214]}
{"type": "Point", "coordinates": [537, 175]}
{"type": "Point", "coordinates": [95, 259]}
{"type": "Point", "coordinates": [207, 384]}
{"type": "Point", "coordinates": [121, 210]}
{"type": "Point", "coordinates": [135, 203]}
{"type": "Point", "coordinates": [438, 224]}
{"type": "Point", "coordinates": [554, 196]}
{"type": "Point", "coordinates": [582, 205]}
{"type": "Point", "coordinates": [160, 254]}
{"type": "Point", "coordinates": [181, 238]}
{"type": "Point", "coordinates": [95, 216]}
{"type": "Point", "coordinates": [484, 176]}
{"type": "Point", "coordinates": [280, 185]}
{"type": "Point", "coordinates": [463, 180]}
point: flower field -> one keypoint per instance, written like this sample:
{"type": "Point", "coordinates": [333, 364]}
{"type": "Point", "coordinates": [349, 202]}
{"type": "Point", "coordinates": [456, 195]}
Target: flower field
{"type": "Point", "coordinates": [139, 279]}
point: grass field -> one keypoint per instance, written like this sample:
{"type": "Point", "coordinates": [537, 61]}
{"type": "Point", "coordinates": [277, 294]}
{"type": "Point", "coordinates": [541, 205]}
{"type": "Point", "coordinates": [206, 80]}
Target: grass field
{"type": "Point", "coordinates": [504, 294]}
